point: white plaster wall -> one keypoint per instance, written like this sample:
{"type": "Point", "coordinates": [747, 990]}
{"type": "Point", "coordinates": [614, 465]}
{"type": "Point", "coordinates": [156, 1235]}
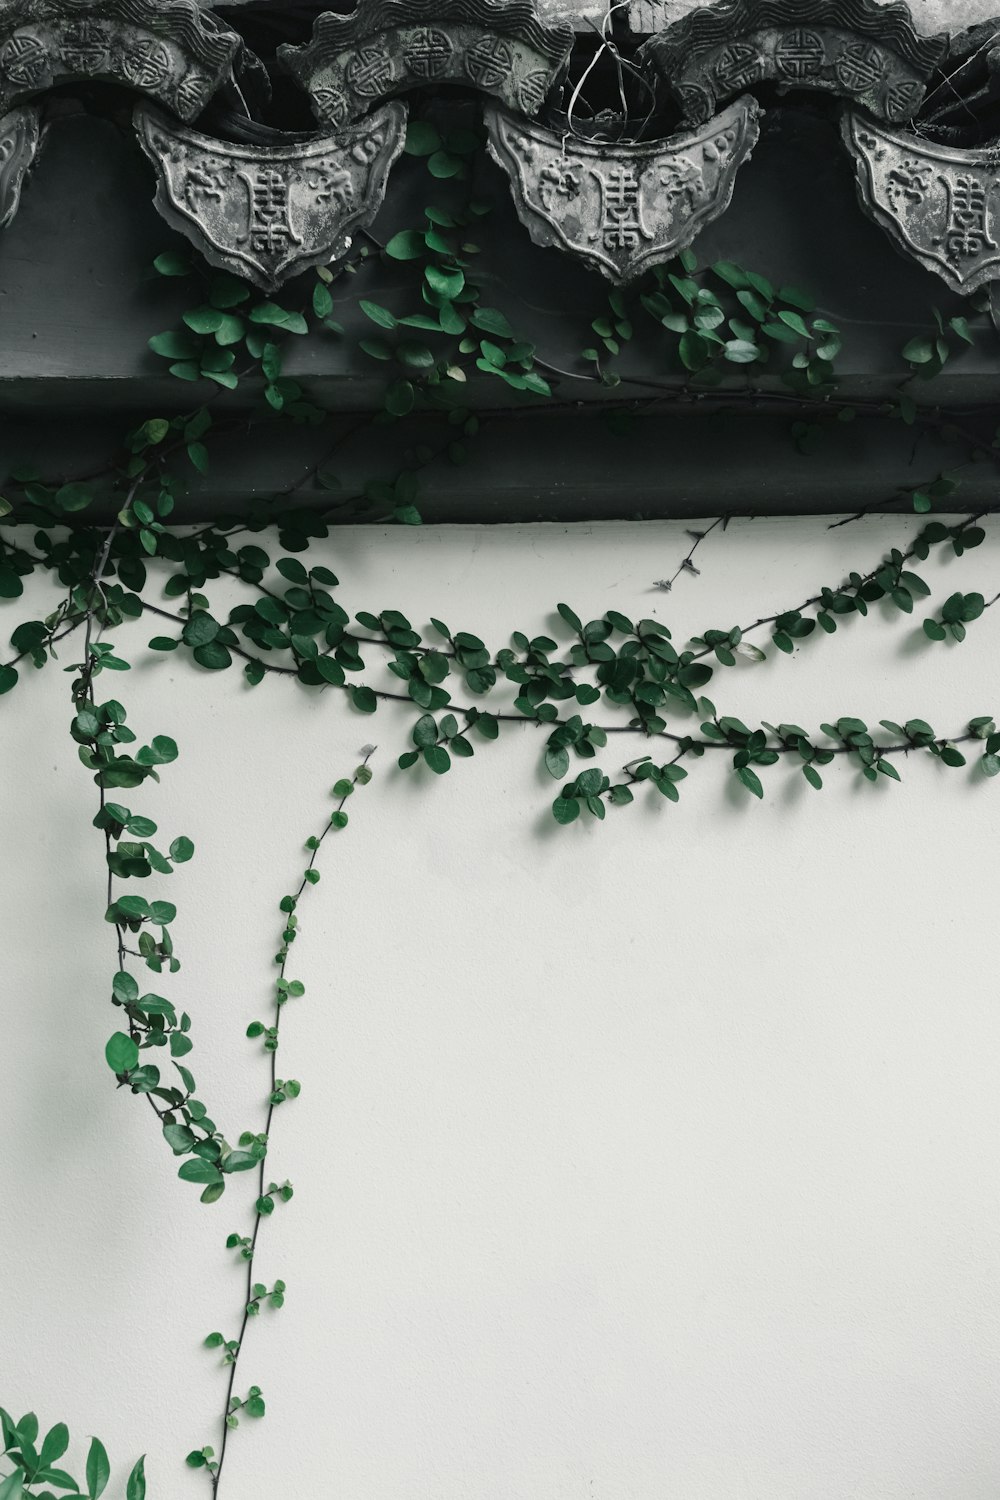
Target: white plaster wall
{"type": "Point", "coordinates": [657, 1159]}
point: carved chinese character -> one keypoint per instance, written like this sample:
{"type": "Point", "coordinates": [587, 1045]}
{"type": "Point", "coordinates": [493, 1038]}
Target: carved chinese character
{"type": "Point", "coordinates": [800, 54]}
{"type": "Point", "coordinates": [84, 48]}
{"type": "Point", "coordinates": [622, 207]}
{"type": "Point", "coordinates": [370, 73]}
{"type": "Point", "coordinates": [739, 66]}
{"type": "Point", "coordinates": [25, 60]}
{"type": "Point", "coordinates": [488, 62]}
{"type": "Point", "coordinates": [967, 235]}
{"type": "Point", "coordinates": [268, 212]}
{"type": "Point", "coordinates": [428, 53]}
{"type": "Point", "coordinates": [621, 226]}
{"type": "Point", "coordinates": [860, 67]}
{"type": "Point", "coordinates": [940, 205]}
{"type": "Point", "coordinates": [146, 64]}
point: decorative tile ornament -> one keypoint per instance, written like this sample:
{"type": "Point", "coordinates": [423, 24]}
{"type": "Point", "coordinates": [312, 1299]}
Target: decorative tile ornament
{"type": "Point", "coordinates": [622, 208]}
{"type": "Point", "coordinates": [20, 133]}
{"type": "Point", "coordinates": [940, 204]}
{"type": "Point", "coordinates": [170, 49]}
{"type": "Point", "coordinates": [268, 212]}
{"type": "Point", "coordinates": [865, 52]}
{"type": "Point", "coordinates": [499, 47]}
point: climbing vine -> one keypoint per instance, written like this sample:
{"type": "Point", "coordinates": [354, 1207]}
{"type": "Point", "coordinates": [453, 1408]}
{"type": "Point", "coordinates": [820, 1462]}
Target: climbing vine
{"type": "Point", "coordinates": [111, 545]}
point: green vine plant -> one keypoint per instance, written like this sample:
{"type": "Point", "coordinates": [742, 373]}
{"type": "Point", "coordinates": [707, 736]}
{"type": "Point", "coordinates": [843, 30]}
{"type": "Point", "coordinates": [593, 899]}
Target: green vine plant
{"type": "Point", "coordinates": [109, 542]}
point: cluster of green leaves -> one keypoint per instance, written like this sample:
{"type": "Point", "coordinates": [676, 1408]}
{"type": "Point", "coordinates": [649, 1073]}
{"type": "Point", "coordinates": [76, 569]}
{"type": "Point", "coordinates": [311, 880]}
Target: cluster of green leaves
{"type": "Point", "coordinates": [712, 335]}
{"type": "Point", "coordinates": [957, 611]}
{"type": "Point", "coordinates": [229, 317]}
{"type": "Point", "coordinates": [891, 582]}
{"type": "Point", "coordinates": [927, 354]}
{"type": "Point", "coordinates": [152, 1023]}
{"type": "Point", "coordinates": [36, 1464]}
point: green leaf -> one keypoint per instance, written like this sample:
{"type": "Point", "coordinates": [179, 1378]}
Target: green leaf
{"type": "Point", "coordinates": [74, 497]}
{"type": "Point", "coordinates": [322, 302]}
{"type": "Point", "coordinates": [489, 320]}
{"type": "Point", "coordinates": [399, 398]}
{"type": "Point", "coordinates": [437, 758]}
{"type": "Point", "coordinates": [204, 319]}
{"type": "Point", "coordinates": [380, 315]}
{"type": "Point", "coordinates": [813, 777]}
{"type": "Point", "coordinates": [408, 245]}
{"type": "Point", "coordinates": [179, 1138]}
{"type": "Point", "coordinates": [8, 678]}
{"type": "Point", "coordinates": [161, 752]}
{"type": "Point", "coordinates": [181, 850]}
{"type": "Point", "coordinates": [171, 263]}
{"type": "Point", "coordinates": [750, 780]}
{"type": "Point", "coordinates": [198, 1170]}
{"type": "Point", "coordinates": [444, 282]}
{"type": "Point", "coordinates": [415, 356]}
{"type": "Point", "coordinates": [215, 657]}
{"type": "Point", "coordinates": [121, 1052]}
{"type": "Point", "coordinates": [55, 1445]}
{"type": "Point", "coordinates": [98, 1470]}
{"type": "Point", "coordinates": [200, 628]}
{"type": "Point", "coordinates": [557, 763]}
{"type": "Point", "coordinates": [278, 317]}
{"type": "Point", "coordinates": [794, 321]}
{"type": "Point", "coordinates": [741, 352]}
{"type": "Point", "coordinates": [174, 346]}
{"type": "Point", "coordinates": [565, 809]}
{"type": "Point", "coordinates": [135, 1489]}
{"type": "Point", "coordinates": [12, 1488]}
{"type": "Point", "coordinates": [422, 138]}
{"type": "Point", "coordinates": [364, 700]}
{"type": "Point", "coordinates": [425, 732]}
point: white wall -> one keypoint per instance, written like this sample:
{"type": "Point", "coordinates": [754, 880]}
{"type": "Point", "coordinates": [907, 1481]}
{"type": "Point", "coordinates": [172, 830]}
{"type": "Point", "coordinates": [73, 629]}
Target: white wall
{"type": "Point", "coordinates": [657, 1159]}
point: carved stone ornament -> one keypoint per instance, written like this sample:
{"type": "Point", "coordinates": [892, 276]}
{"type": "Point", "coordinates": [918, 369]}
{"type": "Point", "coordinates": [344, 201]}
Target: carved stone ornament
{"type": "Point", "coordinates": [940, 204]}
{"type": "Point", "coordinates": [499, 47]}
{"type": "Point", "coordinates": [20, 133]}
{"type": "Point", "coordinates": [170, 49]}
{"type": "Point", "coordinates": [268, 212]}
{"type": "Point", "coordinates": [622, 208]}
{"type": "Point", "coordinates": [865, 52]}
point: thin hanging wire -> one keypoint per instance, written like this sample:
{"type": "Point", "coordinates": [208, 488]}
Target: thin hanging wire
{"type": "Point", "coordinates": [622, 65]}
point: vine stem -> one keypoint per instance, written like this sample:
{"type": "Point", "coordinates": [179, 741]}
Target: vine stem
{"type": "Point", "coordinates": [258, 1215]}
{"type": "Point", "coordinates": [502, 718]}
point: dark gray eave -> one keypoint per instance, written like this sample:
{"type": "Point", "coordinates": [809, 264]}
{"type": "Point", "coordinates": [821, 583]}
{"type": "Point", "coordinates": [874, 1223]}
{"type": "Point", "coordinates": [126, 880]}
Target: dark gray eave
{"type": "Point", "coordinates": [78, 302]}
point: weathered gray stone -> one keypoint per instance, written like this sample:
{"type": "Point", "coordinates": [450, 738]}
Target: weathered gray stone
{"type": "Point", "coordinates": [268, 212]}
{"type": "Point", "coordinates": [169, 49]}
{"type": "Point", "coordinates": [622, 208]}
{"type": "Point", "coordinates": [929, 16]}
{"type": "Point", "coordinates": [860, 50]}
{"type": "Point", "coordinates": [20, 133]}
{"type": "Point", "coordinates": [939, 205]}
{"type": "Point", "coordinates": [582, 15]}
{"type": "Point", "coordinates": [497, 46]}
